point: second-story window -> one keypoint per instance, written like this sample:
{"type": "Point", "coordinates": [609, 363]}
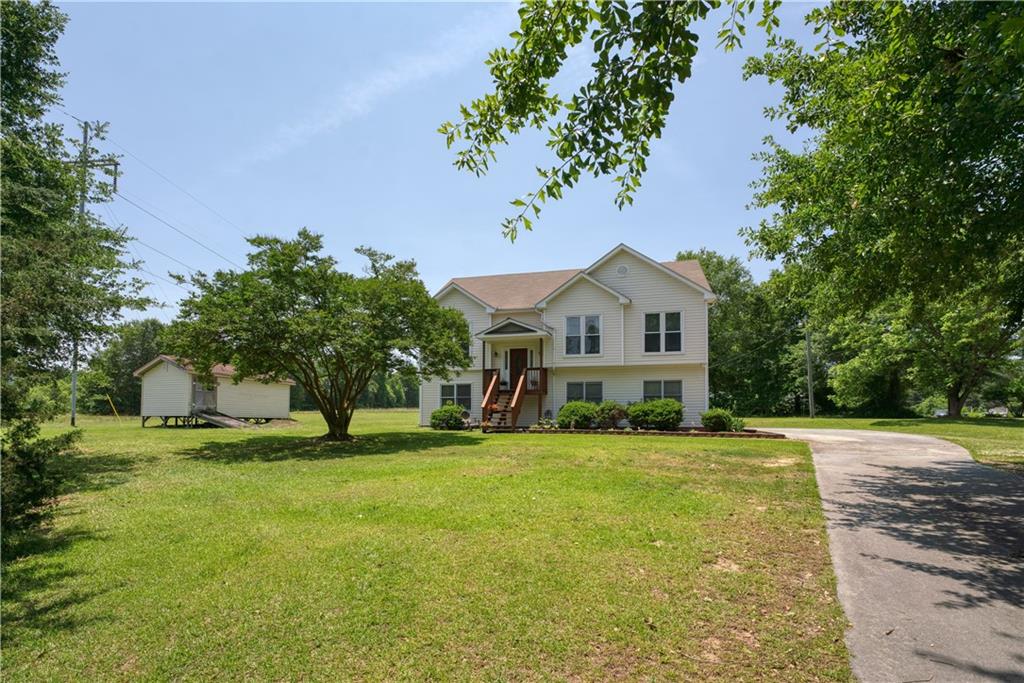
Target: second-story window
{"type": "Point", "coordinates": [582, 335]}
{"type": "Point", "coordinates": [663, 332]}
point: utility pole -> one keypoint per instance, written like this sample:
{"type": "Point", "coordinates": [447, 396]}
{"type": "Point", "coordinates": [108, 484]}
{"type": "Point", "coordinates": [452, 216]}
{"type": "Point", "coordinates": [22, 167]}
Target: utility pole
{"type": "Point", "coordinates": [83, 159]}
{"type": "Point", "coordinates": [86, 166]}
{"type": "Point", "coordinates": [810, 369]}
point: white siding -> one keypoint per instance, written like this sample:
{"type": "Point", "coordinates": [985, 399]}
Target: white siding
{"type": "Point", "coordinates": [166, 391]}
{"type": "Point", "coordinates": [430, 394]}
{"type": "Point", "coordinates": [654, 291]}
{"type": "Point", "coordinates": [625, 385]}
{"type": "Point", "coordinates": [586, 298]}
{"type": "Point", "coordinates": [479, 320]}
{"type": "Point", "coordinates": [250, 398]}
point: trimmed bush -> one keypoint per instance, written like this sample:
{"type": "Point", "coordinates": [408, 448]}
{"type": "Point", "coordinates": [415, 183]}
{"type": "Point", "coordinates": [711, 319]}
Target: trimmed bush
{"type": "Point", "coordinates": [447, 417]}
{"type": "Point", "coordinates": [721, 420]}
{"type": "Point", "coordinates": [610, 414]}
{"type": "Point", "coordinates": [663, 414]}
{"type": "Point", "coordinates": [577, 415]}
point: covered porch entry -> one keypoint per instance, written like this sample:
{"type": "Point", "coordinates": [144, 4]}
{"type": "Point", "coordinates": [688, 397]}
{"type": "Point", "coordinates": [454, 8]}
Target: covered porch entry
{"type": "Point", "coordinates": [514, 374]}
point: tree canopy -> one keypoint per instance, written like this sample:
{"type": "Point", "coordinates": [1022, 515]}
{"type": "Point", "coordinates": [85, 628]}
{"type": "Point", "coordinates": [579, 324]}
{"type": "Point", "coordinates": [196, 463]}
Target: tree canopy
{"type": "Point", "coordinates": [641, 51]}
{"type": "Point", "coordinates": [65, 276]}
{"type": "Point", "coordinates": [293, 313]}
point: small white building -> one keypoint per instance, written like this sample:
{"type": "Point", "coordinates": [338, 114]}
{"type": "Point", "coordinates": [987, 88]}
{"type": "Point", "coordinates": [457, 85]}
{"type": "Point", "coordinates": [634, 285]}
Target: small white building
{"type": "Point", "coordinates": [170, 390]}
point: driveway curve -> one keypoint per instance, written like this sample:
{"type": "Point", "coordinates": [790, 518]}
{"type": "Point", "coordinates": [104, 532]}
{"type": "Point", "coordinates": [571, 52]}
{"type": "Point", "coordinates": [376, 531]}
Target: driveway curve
{"type": "Point", "coordinates": [928, 548]}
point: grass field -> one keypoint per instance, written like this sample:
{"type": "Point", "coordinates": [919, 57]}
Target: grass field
{"type": "Point", "coordinates": [411, 554]}
{"type": "Point", "coordinates": [993, 441]}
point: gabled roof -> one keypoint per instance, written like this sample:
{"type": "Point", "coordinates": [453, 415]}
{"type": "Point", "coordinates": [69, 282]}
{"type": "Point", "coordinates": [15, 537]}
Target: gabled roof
{"type": "Point", "coordinates": [664, 266]}
{"type": "Point", "coordinates": [623, 299]}
{"type": "Point", "coordinates": [513, 327]}
{"type": "Point", "coordinates": [219, 370]}
{"type": "Point", "coordinates": [525, 291]}
{"type": "Point", "coordinates": [512, 291]}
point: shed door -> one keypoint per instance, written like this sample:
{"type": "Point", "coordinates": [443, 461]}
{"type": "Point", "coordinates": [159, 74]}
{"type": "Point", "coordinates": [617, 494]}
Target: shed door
{"type": "Point", "coordinates": [203, 399]}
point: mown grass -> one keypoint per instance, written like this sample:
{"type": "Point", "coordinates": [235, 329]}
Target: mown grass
{"type": "Point", "coordinates": [993, 441]}
{"type": "Point", "coordinates": [410, 554]}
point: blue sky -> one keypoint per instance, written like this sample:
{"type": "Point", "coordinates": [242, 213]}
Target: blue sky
{"type": "Point", "coordinates": [325, 116]}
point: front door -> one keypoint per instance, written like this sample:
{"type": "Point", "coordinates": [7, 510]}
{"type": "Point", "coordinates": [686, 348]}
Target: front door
{"type": "Point", "coordinates": [517, 359]}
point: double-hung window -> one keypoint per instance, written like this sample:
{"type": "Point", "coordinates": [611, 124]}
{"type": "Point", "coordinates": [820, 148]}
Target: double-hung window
{"type": "Point", "coordinates": [663, 388]}
{"type": "Point", "coordinates": [584, 391]}
{"type": "Point", "coordinates": [457, 394]}
{"type": "Point", "coordinates": [582, 335]}
{"type": "Point", "coordinates": [663, 332]}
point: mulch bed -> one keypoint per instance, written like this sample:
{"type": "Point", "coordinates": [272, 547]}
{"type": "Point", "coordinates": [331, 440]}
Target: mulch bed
{"type": "Point", "coordinates": [745, 434]}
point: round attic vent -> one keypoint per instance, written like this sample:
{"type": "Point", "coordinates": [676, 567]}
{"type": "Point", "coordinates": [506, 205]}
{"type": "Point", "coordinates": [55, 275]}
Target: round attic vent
{"type": "Point", "coordinates": [622, 270]}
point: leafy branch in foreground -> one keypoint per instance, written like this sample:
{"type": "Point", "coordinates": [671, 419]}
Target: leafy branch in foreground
{"type": "Point", "coordinates": [641, 50]}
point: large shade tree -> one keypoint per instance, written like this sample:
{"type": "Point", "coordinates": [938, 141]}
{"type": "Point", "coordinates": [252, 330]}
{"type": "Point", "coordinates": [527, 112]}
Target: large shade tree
{"type": "Point", "coordinates": [293, 313]}
{"type": "Point", "coordinates": [906, 204]}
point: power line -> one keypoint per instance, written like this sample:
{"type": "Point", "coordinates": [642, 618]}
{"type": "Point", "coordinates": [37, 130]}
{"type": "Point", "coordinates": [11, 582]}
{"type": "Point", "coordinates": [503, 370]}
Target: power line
{"type": "Point", "coordinates": [175, 185]}
{"type": "Point", "coordinates": [166, 255]}
{"type": "Point", "coordinates": [181, 189]}
{"type": "Point", "coordinates": [177, 229]}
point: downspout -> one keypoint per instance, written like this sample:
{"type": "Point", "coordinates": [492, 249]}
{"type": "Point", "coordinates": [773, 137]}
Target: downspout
{"type": "Point", "coordinates": [622, 334]}
{"type": "Point", "coordinates": [707, 360]}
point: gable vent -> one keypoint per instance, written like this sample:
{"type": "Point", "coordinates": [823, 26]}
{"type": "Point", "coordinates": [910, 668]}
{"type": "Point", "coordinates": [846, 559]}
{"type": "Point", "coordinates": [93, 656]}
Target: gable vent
{"type": "Point", "coordinates": [622, 270]}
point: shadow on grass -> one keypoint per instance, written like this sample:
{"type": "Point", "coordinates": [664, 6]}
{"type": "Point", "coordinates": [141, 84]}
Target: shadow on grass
{"type": "Point", "coordinates": [34, 602]}
{"type": "Point", "coordinates": [272, 448]}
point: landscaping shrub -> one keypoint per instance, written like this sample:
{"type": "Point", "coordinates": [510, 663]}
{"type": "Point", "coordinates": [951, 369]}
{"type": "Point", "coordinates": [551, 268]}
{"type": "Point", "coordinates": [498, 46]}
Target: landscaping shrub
{"type": "Point", "coordinates": [447, 417]}
{"type": "Point", "coordinates": [721, 420]}
{"type": "Point", "coordinates": [610, 414]}
{"type": "Point", "coordinates": [577, 415]}
{"type": "Point", "coordinates": [663, 414]}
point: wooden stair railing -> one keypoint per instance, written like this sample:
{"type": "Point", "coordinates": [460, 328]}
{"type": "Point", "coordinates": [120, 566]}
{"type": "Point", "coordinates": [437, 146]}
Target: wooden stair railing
{"type": "Point", "coordinates": [489, 397]}
{"type": "Point", "coordinates": [517, 399]}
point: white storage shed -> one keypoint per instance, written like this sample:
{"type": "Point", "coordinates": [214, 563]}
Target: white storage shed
{"type": "Point", "coordinates": [170, 391]}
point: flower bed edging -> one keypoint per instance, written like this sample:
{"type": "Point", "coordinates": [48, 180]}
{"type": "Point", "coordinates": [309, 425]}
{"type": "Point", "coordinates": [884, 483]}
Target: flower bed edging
{"type": "Point", "coordinates": [640, 432]}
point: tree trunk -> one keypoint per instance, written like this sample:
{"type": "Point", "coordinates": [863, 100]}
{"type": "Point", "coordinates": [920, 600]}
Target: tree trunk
{"type": "Point", "coordinates": [338, 424]}
{"type": "Point", "coordinates": [955, 402]}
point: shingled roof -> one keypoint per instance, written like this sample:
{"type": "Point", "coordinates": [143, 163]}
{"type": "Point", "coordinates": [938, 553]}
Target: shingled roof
{"type": "Point", "coordinates": [523, 290]}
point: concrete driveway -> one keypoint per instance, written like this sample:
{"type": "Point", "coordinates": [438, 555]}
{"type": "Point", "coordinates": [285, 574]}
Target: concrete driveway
{"type": "Point", "coordinates": [928, 548]}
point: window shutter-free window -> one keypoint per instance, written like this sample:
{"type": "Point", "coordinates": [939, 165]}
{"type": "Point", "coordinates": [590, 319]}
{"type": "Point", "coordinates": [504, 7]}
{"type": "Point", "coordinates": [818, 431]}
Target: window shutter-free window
{"type": "Point", "coordinates": [668, 388]}
{"type": "Point", "coordinates": [572, 335]}
{"type": "Point", "coordinates": [673, 332]}
{"type": "Point", "coordinates": [457, 394]}
{"type": "Point", "coordinates": [592, 342]}
{"type": "Point", "coordinates": [582, 335]}
{"type": "Point", "coordinates": [652, 332]}
{"type": "Point", "coordinates": [663, 332]}
{"type": "Point", "coordinates": [584, 391]}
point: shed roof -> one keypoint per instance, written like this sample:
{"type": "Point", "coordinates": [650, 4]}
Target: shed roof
{"type": "Point", "coordinates": [219, 370]}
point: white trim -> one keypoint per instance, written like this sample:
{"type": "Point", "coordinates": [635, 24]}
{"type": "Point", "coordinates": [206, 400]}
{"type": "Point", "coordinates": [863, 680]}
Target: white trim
{"type": "Point", "coordinates": [708, 294]}
{"type": "Point", "coordinates": [534, 330]}
{"type": "Point", "coordinates": [456, 286]}
{"type": "Point", "coordinates": [543, 303]}
{"type": "Point", "coordinates": [583, 335]}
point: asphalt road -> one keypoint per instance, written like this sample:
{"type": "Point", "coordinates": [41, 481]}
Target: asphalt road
{"type": "Point", "coordinates": [928, 548]}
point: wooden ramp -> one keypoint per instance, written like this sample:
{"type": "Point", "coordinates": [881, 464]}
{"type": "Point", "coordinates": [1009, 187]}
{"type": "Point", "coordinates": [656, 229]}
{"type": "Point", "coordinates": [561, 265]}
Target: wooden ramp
{"type": "Point", "coordinates": [222, 420]}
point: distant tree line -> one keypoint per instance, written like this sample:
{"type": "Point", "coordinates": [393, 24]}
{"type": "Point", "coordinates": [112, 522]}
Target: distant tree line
{"type": "Point", "coordinates": [871, 365]}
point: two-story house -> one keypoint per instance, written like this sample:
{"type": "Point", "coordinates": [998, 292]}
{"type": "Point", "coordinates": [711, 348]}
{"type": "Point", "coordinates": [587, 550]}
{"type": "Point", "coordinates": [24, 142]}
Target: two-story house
{"type": "Point", "coordinates": [626, 328]}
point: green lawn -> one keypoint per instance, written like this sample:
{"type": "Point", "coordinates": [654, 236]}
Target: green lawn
{"type": "Point", "coordinates": [412, 554]}
{"type": "Point", "coordinates": [994, 441]}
